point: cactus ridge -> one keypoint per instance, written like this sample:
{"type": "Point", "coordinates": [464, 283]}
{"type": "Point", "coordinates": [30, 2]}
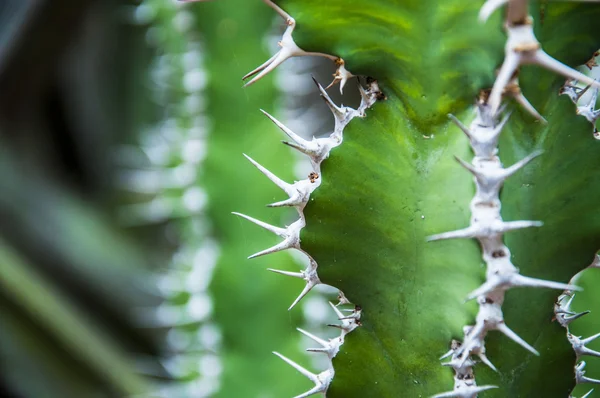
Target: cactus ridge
{"type": "Point", "coordinates": [584, 98]}
{"type": "Point", "coordinates": [299, 192]}
{"type": "Point", "coordinates": [317, 150]}
{"type": "Point", "coordinates": [487, 225]}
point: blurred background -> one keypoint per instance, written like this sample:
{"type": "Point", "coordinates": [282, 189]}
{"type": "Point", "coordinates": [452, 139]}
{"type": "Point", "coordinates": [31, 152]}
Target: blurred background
{"type": "Point", "coordinates": [122, 271]}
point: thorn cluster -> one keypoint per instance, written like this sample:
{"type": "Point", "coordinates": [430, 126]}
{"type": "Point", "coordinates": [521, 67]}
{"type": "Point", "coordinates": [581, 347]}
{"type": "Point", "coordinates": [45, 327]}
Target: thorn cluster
{"type": "Point", "coordinates": [290, 49]}
{"type": "Point", "coordinates": [565, 316]}
{"type": "Point", "coordinates": [522, 48]}
{"type": "Point", "coordinates": [317, 150]}
{"type": "Point", "coordinates": [488, 228]}
{"type": "Point", "coordinates": [584, 96]}
{"type": "Point", "coordinates": [165, 167]}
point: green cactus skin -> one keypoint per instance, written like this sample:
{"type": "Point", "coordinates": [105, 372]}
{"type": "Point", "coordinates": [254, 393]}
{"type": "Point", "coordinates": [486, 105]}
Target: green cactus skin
{"type": "Point", "coordinates": [393, 183]}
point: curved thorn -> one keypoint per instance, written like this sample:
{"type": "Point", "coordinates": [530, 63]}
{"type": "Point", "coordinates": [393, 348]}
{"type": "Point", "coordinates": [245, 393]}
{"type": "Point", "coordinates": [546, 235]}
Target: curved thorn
{"type": "Point", "coordinates": [509, 67]}
{"type": "Point", "coordinates": [273, 249]}
{"type": "Point", "coordinates": [489, 7]}
{"type": "Point", "coordinates": [461, 233]}
{"type": "Point", "coordinates": [464, 128]}
{"type": "Point", "coordinates": [309, 285]}
{"type": "Point", "coordinates": [313, 337]}
{"type": "Point", "coordinates": [287, 273]}
{"type": "Point", "coordinates": [306, 373]}
{"type": "Point", "coordinates": [509, 171]}
{"type": "Point", "coordinates": [515, 337]}
{"type": "Point", "coordinates": [544, 60]}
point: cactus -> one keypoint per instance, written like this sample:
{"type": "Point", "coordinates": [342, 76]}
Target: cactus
{"type": "Point", "coordinates": [207, 299]}
{"type": "Point", "coordinates": [384, 183]}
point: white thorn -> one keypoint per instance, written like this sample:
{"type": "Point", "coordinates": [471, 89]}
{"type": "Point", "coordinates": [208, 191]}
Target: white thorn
{"type": "Point", "coordinates": [290, 235]}
{"type": "Point", "coordinates": [311, 376]}
{"type": "Point", "coordinates": [515, 337]}
{"type": "Point", "coordinates": [590, 339]}
{"type": "Point", "coordinates": [309, 275]}
{"type": "Point", "coordinates": [511, 62]}
{"type": "Point", "coordinates": [317, 149]}
{"type": "Point", "coordinates": [299, 141]}
{"type": "Point", "coordinates": [546, 61]}
{"type": "Point", "coordinates": [289, 48]}
{"type": "Point", "coordinates": [342, 298]}
{"type": "Point", "coordinates": [310, 283]}
{"type": "Point", "coordinates": [514, 279]}
{"type": "Point", "coordinates": [524, 102]}
{"type": "Point", "coordinates": [287, 188]}
{"type": "Point", "coordinates": [571, 90]}
{"type": "Point", "coordinates": [313, 337]}
{"type": "Point", "coordinates": [513, 90]}
{"type": "Point", "coordinates": [331, 347]}
{"type": "Point", "coordinates": [447, 354]}
{"type": "Point", "coordinates": [486, 361]}
{"type": "Point", "coordinates": [468, 232]}
{"type": "Point", "coordinates": [336, 310]}
{"type": "Point", "coordinates": [580, 377]}
{"type": "Point", "coordinates": [579, 345]}
{"type": "Point", "coordinates": [341, 75]}
{"type": "Point", "coordinates": [588, 111]}
{"type": "Point", "coordinates": [489, 7]}
{"type": "Point", "coordinates": [565, 320]}
{"type": "Point", "coordinates": [322, 380]}
{"type": "Point", "coordinates": [509, 171]}
{"type": "Point", "coordinates": [587, 394]}
{"type": "Point", "coordinates": [280, 57]}
{"type": "Point", "coordinates": [460, 125]}
{"type": "Point", "coordinates": [287, 273]}
{"type": "Point", "coordinates": [271, 228]}
{"type": "Point", "coordinates": [459, 365]}
{"type": "Point", "coordinates": [522, 47]}
{"type": "Point", "coordinates": [349, 323]}
{"type": "Point", "coordinates": [338, 112]}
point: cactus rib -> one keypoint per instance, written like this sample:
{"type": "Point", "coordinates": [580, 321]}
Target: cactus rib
{"type": "Point", "coordinates": [299, 193]}
{"type": "Point", "coordinates": [486, 223]}
{"type": "Point", "coordinates": [565, 316]}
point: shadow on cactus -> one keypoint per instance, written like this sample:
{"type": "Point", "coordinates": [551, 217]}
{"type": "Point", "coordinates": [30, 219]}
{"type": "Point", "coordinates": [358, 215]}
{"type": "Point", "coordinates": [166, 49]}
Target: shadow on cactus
{"type": "Point", "coordinates": [388, 183]}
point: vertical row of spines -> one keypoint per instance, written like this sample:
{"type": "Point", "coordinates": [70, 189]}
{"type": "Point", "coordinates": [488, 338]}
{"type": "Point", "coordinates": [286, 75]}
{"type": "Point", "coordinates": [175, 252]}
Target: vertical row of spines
{"type": "Point", "coordinates": [317, 150]}
{"type": "Point", "coordinates": [487, 225]}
